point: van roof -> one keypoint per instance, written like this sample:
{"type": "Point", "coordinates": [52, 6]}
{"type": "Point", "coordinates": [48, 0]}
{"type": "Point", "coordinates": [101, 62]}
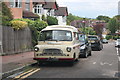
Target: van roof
{"type": "Point", "coordinates": [61, 27]}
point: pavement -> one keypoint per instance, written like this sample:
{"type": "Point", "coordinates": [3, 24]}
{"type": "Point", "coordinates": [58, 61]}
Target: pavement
{"type": "Point", "coordinates": [16, 61]}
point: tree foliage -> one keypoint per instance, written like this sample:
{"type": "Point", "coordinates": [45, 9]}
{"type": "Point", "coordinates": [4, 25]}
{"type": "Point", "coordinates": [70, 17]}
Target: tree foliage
{"type": "Point", "coordinates": [18, 24]}
{"type": "Point", "coordinates": [117, 17]}
{"type": "Point", "coordinates": [6, 14]}
{"type": "Point", "coordinates": [39, 25]}
{"type": "Point", "coordinates": [112, 25]}
{"type": "Point", "coordinates": [71, 18]}
{"type": "Point", "coordinates": [52, 20]}
{"type": "Point", "coordinates": [105, 18]}
{"type": "Point", "coordinates": [88, 30]}
{"type": "Point", "coordinates": [43, 18]}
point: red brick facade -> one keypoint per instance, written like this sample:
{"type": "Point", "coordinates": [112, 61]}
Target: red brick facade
{"type": "Point", "coordinates": [17, 12]}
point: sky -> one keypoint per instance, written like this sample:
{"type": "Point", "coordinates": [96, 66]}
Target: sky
{"type": "Point", "coordinates": [91, 8]}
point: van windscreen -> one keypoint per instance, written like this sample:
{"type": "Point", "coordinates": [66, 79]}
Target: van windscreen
{"type": "Point", "coordinates": [56, 35]}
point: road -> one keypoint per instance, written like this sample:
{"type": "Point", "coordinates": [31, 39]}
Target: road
{"type": "Point", "coordinates": [102, 64]}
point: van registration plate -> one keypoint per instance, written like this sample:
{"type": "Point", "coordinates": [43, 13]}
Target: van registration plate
{"type": "Point", "coordinates": [52, 59]}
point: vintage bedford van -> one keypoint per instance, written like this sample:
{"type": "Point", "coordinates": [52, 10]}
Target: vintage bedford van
{"type": "Point", "coordinates": [58, 43]}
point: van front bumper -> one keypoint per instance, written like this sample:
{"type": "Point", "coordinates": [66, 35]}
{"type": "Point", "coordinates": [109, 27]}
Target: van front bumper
{"type": "Point", "coordinates": [53, 59]}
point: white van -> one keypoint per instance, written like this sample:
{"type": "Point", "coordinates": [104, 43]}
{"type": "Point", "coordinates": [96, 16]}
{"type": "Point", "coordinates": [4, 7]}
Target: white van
{"type": "Point", "coordinates": [58, 43]}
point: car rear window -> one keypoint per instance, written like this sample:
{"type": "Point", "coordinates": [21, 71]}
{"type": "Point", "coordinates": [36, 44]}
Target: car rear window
{"type": "Point", "coordinates": [92, 38]}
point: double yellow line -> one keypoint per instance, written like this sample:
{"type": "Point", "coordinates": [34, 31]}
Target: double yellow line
{"type": "Point", "coordinates": [26, 74]}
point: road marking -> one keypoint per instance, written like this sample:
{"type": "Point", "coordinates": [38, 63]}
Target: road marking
{"type": "Point", "coordinates": [105, 63]}
{"type": "Point", "coordinates": [24, 73]}
{"type": "Point", "coordinates": [23, 77]}
{"type": "Point", "coordinates": [118, 53]}
{"type": "Point", "coordinates": [94, 62]}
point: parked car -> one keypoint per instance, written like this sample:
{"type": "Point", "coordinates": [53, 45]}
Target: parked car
{"type": "Point", "coordinates": [104, 41]}
{"type": "Point", "coordinates": [85, 48]}
{"type": "Point", "coordinates": [95, 42]}
{"type": "Point", "coordinates": [117, 44]}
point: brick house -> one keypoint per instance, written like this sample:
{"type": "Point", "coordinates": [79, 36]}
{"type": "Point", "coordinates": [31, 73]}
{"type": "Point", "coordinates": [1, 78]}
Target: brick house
{"type": "Point", "coordinates": [21, 9]}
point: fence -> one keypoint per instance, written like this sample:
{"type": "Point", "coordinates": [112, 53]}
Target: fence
{"type": "Point", "coordinates": [16, 41]}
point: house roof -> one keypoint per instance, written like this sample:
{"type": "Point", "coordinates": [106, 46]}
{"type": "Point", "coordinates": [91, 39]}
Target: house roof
{"type": "Point", "coordinates": [27, 14]}
{"type": "Point", "coordinates": [50, 4]}
{"type": "Point", "coordinates": [35, 2]}
{"type": "Point", "coordinates": [61, 11]}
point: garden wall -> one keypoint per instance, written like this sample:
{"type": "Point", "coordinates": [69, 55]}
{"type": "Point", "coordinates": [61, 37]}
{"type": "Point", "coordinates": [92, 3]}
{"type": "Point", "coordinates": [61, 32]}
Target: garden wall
{"type": "Point", "coordinates": [15, 41]}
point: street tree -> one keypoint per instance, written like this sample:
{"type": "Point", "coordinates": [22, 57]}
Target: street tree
{"type": "Point", "coordinates": [112, 25]}
{"type": "Point", "coordinates": [105, 18]}
{"type": "Point", "coordinates": [72, 17]}
{"type": "Point", "coordinates": [98, 29]}
{"type": "Point", "coordinates": [118, 22]}
{"type": "Point", "coordinates": [88, 30]}
{"type": "Point", "coordinates": [6, 15]}
{"type": "Point", "coordinates": [52, 20]}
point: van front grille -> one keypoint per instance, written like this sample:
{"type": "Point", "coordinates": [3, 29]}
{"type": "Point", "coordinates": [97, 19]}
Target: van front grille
{"type": "Point", "coordinates": [52, 52]}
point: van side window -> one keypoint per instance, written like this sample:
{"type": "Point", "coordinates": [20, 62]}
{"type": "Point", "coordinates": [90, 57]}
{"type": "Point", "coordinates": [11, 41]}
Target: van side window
{"type": "Point", "coordinates": [76, 35]}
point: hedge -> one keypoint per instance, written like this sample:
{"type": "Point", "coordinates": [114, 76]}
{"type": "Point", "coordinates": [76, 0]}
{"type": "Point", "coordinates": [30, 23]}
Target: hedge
{"type": "Point", "coordinates": [18, 24]}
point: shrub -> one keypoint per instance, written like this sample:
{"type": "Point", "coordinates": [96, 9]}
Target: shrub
{"type": "Point", "coordinates": [30, 22]}
{"type": "Point", "coordinates": [39, 25]}
{"type": "Point", "coordinates": [108, 37]}
{"type": "Point", "coordinates": [43, 18]}
{"type": "Point", "coordinates": [18, 24]}
{"type": "Point", "coordinates": [52, 20]}
{"type": "Point", "coordinates": [115, 37]}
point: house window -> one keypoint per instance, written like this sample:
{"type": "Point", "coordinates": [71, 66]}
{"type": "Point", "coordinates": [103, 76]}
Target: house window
{"type": "Point", "coordinates": [38, 9]}
{"type": "Point", "coordinates": [27, 4]}
{"type": "Point", "coordinates": [16, 3]}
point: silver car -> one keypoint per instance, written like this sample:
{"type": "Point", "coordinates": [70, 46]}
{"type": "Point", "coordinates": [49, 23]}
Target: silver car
{"type": "Point", "coordinates": [117, 44]}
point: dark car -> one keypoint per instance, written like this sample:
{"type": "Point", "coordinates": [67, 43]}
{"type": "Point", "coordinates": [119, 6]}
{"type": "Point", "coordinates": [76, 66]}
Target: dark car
{"type": "Point", "coordinates": [104, 41]}
{"type": "Point", "coordinates": [95, 42]}
{"type": "Point", "coordinates": [85, 48]}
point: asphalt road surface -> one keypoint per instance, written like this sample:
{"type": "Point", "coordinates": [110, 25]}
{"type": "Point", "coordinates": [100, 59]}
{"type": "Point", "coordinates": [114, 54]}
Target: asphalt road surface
{"type": "Point", "coordinates": [102, 64]}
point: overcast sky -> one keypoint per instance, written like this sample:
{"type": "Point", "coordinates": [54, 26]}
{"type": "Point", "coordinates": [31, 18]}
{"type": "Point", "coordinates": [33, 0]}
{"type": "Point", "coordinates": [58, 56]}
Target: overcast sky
{"type": "Point", "coordinates": [91, 8]}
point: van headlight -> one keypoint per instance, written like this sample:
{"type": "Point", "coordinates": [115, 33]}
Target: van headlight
{"type": "Point", "coordinates": [68, 49]}
{"type": "Point", "coordinates": [82, 47]}
{"type": "Point", "coordinates": [36, 49]}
